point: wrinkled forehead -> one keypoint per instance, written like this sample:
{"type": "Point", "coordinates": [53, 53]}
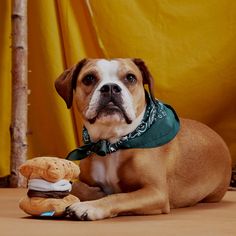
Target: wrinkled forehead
{"type": "Point", "coordinates": [109, 67]}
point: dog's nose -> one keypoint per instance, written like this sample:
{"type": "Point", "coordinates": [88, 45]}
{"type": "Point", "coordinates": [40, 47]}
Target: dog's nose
{"type": "Point", "coordinates": [110, 89]}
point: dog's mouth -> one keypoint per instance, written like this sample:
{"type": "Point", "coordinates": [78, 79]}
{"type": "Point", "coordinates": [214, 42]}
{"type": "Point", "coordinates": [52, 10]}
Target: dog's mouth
{"type": "Point", "coordinates": [109, 108]}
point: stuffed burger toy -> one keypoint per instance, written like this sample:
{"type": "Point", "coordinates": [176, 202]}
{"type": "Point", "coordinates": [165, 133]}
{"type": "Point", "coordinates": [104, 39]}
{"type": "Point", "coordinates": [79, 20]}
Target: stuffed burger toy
{"type": "Point", "coordinates": [49, 186]}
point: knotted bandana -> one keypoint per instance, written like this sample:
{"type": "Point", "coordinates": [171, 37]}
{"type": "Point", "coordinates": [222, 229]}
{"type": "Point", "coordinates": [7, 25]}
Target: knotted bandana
{"type": "Point", "coordinates": [159, 126]}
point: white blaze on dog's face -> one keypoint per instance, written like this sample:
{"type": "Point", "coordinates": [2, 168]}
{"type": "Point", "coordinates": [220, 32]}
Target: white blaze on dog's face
{"type": "Point", "coordinates": [110, 97]}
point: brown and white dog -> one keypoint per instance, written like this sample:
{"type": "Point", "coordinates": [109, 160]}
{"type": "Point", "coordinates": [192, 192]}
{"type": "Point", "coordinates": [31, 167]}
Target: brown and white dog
{"type": "Point", "coordinates": [193, 167]}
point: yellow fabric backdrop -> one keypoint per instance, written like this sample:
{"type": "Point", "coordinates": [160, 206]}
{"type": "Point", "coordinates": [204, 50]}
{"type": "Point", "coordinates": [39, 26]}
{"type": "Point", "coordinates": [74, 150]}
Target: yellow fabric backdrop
{"type": "Point", "coordinates": [189, 46]}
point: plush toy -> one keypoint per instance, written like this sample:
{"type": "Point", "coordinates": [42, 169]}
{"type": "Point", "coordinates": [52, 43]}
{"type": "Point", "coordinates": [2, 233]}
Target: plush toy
{"type": "Point", "coordinates": [49, 186]}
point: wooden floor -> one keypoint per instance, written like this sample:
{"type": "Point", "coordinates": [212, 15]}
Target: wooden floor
{"type": "Point", "coordinates": [216, 219]}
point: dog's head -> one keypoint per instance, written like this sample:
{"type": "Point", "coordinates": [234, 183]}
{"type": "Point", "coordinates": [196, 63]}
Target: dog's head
{"type": "Point", "coordinates": [106, 91]}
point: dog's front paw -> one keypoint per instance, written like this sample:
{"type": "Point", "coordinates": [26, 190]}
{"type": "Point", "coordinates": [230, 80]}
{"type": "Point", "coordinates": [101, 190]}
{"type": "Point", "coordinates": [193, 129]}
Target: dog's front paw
{"type": "Point", "coordinates": [87, 211]}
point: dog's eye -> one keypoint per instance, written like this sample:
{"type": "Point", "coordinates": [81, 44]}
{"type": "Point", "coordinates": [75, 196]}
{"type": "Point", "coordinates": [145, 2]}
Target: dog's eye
{"type": "Point", "coordinates": [131, 78]}
{"type": "Point", "coordinates": [89, 79]}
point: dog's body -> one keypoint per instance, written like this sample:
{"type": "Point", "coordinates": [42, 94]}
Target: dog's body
{"type": "Point", "coordinates": [194, 166]}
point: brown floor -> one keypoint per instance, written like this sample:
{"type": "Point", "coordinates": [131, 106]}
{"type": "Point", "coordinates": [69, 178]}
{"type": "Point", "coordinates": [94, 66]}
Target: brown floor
{"type": "Point", "coordinates": [203, 219]}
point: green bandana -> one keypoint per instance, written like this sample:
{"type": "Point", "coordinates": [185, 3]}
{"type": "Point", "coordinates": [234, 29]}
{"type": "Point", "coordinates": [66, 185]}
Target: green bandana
{"type": "Point", "coordinates": [159, 126]}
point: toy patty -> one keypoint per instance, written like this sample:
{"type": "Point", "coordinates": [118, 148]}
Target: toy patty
{"type": "Point", "coordinates": [48, 186]}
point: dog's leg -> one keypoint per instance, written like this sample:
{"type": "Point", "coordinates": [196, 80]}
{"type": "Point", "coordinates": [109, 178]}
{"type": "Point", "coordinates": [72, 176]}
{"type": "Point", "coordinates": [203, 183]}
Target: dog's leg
{"type": "Point", "coordinates": [86, 193]}
{"type": "Point", "coordinates": [148, 200]}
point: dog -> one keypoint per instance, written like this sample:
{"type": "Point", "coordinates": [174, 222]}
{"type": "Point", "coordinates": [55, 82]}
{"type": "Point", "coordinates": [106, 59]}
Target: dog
{"type": "Point", "coordinates": [193, 166]}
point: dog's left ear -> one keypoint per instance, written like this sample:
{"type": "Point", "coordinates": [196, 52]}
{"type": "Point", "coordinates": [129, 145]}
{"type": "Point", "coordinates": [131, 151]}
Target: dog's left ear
{"type": "Point", "coordinates": [147, 77]}
{"type": "Point", "coordinates": [66, 82]}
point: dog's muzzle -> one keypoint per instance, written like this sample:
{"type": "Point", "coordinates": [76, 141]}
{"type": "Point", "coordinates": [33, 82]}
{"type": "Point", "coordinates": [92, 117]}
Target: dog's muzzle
{"type": "Point", "coordinates": [111, 102]}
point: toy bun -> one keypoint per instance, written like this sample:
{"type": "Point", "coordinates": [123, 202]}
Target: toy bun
{"type": "Point", "coordinates": [51, 169]}
{"type": "Point", "coordinates": [37, 206]}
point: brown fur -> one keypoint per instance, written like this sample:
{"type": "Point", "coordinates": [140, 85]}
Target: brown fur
{"type": "Point", "coordinates": [195, 166]}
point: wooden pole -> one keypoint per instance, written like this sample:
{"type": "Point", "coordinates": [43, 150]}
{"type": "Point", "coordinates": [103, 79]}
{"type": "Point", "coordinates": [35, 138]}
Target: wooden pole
{"type": "Point", "coordinates": [18, 128]}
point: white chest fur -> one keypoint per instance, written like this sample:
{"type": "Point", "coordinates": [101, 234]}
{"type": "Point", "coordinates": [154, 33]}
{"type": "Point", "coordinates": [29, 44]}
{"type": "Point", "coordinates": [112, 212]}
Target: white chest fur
{"type": "Point", "coordinates": [105, 172]}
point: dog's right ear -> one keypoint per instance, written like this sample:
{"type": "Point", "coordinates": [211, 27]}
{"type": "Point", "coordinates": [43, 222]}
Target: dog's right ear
{"type": "Point", "coordinates": [147, 77]}
{"type": "Point", "coordinates": [66, 82]}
